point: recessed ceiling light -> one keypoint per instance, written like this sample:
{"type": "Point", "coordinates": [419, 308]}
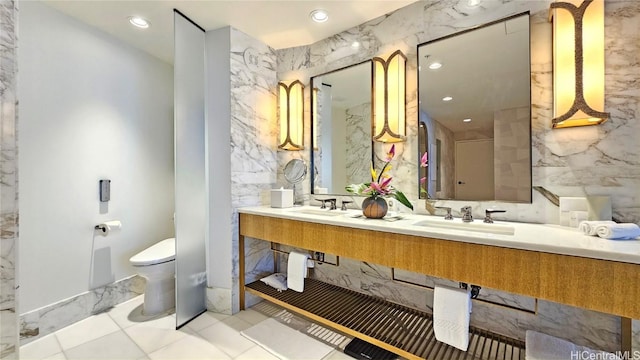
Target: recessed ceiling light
{"type": "Point", "coordinates": [137, 21]}
{"type": "Point", "coordinates": [466, 120]}
{"type": "Point", "coordinates": [435, 65]}
{"type": "Point", "coordinates": [355, 44]}
{"type": "Point", "coordinates": [473, 2]}
{"type": "Point", "coordinates": [319, 15]}
{"type": "Point", "coordinates": [447, 98]}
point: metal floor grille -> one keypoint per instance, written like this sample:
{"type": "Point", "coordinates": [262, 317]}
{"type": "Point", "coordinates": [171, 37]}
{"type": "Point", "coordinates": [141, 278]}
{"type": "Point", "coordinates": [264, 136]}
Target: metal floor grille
{"type": "Point", "coordinates": [405, 331]}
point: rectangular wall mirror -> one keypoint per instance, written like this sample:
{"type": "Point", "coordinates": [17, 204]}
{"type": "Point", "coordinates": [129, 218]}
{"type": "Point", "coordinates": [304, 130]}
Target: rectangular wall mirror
{"type": "Point", "coordinates": [341, 151]}
{"type": "Point", "coordinates": [474, 119]}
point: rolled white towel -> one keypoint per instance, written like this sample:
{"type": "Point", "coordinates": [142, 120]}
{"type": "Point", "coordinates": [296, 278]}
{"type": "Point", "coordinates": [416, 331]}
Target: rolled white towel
{"type": "Point", "coordinates": [589, 227]}
{"type": "Point", "coordinates": [618, 231]}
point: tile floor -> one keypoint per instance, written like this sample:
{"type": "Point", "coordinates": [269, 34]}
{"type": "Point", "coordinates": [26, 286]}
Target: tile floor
{"type": "Point", "coordinates": [114, 335]}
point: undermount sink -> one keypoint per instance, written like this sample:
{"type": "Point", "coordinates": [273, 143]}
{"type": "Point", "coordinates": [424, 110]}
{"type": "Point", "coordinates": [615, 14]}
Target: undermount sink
{"type": "Point", "coordinates": [321, 212]}
{"type": "Point", "coordinates": [476, 226]}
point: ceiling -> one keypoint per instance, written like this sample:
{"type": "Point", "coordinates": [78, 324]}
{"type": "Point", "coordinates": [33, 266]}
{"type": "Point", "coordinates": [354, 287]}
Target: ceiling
{"type": "Point", "coordinates": [279, 24]}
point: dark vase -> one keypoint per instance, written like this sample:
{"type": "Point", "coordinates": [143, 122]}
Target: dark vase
{"type": "Point", "coordinates": [374, 208]}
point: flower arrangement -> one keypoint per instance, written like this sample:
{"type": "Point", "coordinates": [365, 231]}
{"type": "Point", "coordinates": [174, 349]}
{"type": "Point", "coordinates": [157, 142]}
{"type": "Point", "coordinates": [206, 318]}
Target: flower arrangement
{"type": "Point", "coordinates": [424, 162]}
{"type": "Point", "coordinates": [380, 184]}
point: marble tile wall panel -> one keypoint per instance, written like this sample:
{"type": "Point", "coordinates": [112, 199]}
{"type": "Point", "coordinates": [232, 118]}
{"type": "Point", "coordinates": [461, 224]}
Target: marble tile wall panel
{"type": "Point", "coordinates": [45, 320]}
{"type": "Point", "coordinates": [358, 144]}
{"type": "Point", "coordinates": [511, 176]}
{"type": "Point", "coordinates": [253, 135]}
{"type": "Point", "coordinates": [8, 181]}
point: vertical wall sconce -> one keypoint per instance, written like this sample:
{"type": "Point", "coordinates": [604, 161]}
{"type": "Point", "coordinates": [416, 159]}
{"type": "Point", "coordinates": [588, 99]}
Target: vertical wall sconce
{"type": "Point", "coordinates": [314, 129]}
{"type": "Point", "coordinates": [389, 111]}
{"type": "Point", "coordinates": [578, 63]}
{"type": "Point", "coordinates": [291, 99]}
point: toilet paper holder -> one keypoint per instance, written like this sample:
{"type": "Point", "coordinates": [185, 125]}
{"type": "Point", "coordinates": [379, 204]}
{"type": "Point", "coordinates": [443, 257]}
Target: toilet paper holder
{"type": "Point", "coordinates": [106, 227]}
{"type": "Point", "coordinates": [475, 289]}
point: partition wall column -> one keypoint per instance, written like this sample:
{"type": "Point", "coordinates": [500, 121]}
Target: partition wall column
{"type": "Point", "coordinates": [190, 186]}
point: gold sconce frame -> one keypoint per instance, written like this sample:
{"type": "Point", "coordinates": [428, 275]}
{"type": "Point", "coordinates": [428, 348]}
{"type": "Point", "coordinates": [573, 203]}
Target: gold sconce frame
{"type": "Point", "coordinates": [389, 98]}
{"type": "Point", "coordinates": [578, 63]}
{"type": "Point", "coordinates": [291, 109]}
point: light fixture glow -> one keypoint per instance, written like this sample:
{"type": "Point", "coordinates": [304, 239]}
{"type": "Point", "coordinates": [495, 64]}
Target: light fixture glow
{"type": "Point", "coordinates": [355, 44]}
{"type": "Point", "coordinates": [578, 63]}
{"type": "Point", "coordinates": [291, 115]}
{"type": "Point", "coordinates": [447, 98]}
{"type": "Point", "coordinates": [466, 120]}
{"type": "Point", "coordinates": [314, 129]}
{"type": "Point", "coordinates": [139, 22]}
{"type": "Point", "coordinates": [319, 15]}
{"type": "Point", "coordinates": [389, 97]}
{"type": "Point", "coordinates": [474, 2]}
{"type": "Point", "coordinates": [435, 65]}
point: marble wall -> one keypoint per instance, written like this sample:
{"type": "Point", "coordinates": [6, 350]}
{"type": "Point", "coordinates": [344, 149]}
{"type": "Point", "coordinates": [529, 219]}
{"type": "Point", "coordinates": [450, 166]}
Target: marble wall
{"type": "Point", "coordinates": [45, 320]}
{"type": "Point", "coordinates": [253, 141]}
{"type": "Point", "coordinates": [8, 181]}
{"type": "Point", "coordinates": [358, 143]}
{"type": "Point", "coordinates": [511, 175]}
{"type": "Point", "coordinates": [563, 160]}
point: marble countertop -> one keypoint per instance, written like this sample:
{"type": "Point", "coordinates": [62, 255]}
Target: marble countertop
{"type": "Point", "coordinates": [536, 237]}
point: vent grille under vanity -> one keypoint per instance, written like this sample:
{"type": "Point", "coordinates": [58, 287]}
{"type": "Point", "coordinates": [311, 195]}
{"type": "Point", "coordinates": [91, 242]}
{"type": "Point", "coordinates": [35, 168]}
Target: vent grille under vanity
{"type": "Point", "coordinates": [400, 329]}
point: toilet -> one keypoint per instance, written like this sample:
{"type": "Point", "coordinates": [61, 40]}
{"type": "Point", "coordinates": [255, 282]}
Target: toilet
{"type": "Point", "coordinates": [157, 264]}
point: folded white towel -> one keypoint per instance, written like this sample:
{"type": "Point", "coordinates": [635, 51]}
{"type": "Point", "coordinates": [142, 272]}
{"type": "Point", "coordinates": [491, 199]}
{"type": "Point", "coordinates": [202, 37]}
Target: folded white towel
{"type": "Point", "coordinates": [277, 281]}
{"type": "Point", "coordinates": [545, 347]}
{"type": "Point", "coordinates": [618, 231]}
{"type": "Point", "coordinates": [589, 227]}
{"type": "Point", "coordinates": [297, 270]}
{"type": "Point", "coordinates": [451, 308]}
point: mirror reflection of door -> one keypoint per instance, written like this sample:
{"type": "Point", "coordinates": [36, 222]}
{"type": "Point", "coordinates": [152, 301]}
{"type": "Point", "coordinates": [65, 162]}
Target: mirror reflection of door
{"type": "Point", "coordinates": [474, 170]}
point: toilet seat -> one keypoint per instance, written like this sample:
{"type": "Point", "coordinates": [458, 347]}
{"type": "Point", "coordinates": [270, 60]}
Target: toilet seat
{"type": "Point", "coordinates": [161, 252]}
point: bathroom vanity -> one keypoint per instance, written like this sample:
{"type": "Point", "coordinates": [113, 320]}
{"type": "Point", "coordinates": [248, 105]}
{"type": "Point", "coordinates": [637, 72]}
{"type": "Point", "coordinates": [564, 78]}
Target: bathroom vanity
{"type": "Point", "coordinates": [542, 261]}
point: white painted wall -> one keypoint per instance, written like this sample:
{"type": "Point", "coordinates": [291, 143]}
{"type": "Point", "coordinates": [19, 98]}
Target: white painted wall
{"type": "Point", "coordinates": [91, 107]}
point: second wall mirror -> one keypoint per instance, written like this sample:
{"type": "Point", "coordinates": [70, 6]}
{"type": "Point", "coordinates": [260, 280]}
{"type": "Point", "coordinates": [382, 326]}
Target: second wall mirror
{"type": "Point", "coordinates": [341, 151]}
{"type": "Point", "coordinates": [474, 117]}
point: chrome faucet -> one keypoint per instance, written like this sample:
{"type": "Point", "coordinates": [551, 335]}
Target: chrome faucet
{"type": "Point", "coordinates": [448, 210]}
{"type": "Point", "coordinates": [332, 203]}
{"type": "Point", "coordinates": [466, 214]}
{"type": "Point", "coordinates": [487, 215]}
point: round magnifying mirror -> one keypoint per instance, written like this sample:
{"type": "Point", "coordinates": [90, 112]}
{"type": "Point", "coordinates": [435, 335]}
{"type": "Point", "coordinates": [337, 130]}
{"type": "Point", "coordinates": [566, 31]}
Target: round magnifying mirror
{"type": "Point", "coordinates": [294, 172]}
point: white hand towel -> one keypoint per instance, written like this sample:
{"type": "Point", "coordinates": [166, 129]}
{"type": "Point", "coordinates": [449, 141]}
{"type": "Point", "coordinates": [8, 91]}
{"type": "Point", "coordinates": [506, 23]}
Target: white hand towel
{"type": "Point", "coordinates": [589, 227]}
{"type": "Point", "coordinates": [618, 231]}
{"type": "Point", "coordinates": [296, 270]}
{"type": "Point", "coordinates": [451, 308]}
{"type": "Point", "coordinates": [545, 347]}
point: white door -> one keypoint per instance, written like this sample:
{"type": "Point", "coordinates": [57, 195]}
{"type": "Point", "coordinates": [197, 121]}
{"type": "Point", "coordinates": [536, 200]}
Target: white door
{"type": "Point", "coordinates": [474, 170]}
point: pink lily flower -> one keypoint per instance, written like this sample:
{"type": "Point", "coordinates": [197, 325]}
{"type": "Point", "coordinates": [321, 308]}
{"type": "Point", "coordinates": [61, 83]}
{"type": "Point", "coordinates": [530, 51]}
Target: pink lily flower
{"type": "Point", "coordinates": [424, 161]}
{"type": "Point", "coordinates": [391, 153]}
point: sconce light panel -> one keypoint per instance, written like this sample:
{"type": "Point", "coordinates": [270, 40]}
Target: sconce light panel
{"type": "Point", "coordinates": [578, 63]}
{"type": "Point", "coordinates": [389, 96]}
{"type": "Point", "coordinates": [314, 129]}
{"type": "Point", "coordinates": [291, 109]}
